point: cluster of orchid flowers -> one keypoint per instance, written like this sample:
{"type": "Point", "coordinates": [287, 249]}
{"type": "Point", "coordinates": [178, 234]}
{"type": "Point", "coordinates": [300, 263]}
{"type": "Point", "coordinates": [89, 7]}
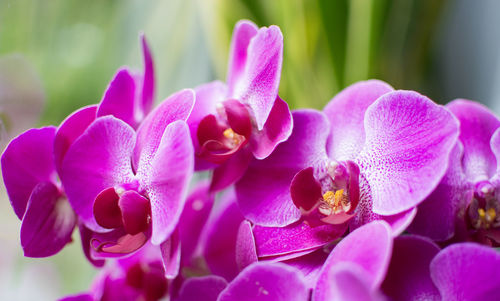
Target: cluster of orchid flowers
{"type": "Point", "coordinates": [382, 195]}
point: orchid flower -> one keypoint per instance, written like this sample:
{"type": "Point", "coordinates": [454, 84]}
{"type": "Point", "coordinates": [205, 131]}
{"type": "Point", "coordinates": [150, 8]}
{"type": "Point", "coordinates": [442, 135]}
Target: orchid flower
{"type": "Point", "coordinates": [127, 187]}
{"type": "Point", "coordinates": [466, 203]}
{"type": "Point", "coordinates": [245, 118]}
{"type": "Point", "coordinates": [373, 154]}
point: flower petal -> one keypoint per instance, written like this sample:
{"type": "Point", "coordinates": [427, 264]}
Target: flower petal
{"type": "Point", "coordinates": [346, 113]}
{"type": "Point", "coordinates": [98, 159]}
{"type": "Point", "coordinates": [27, 161]}
{"type": "Point", "coordinates": [178, 106]}
{"type": "Point", "coordinates": [70, 129]}
{"type": "Point", "coordinates": [171, 255]}
{"type": "Point", "coordinates": [243, 33]}
{"type": "Point", "coordinates": [408, 277]}
{"type": "Point", "coordinates": [466, 271]}
{"type": "Point", "coordinates": [135, 211]}
{"type": "Point", "coordinates": [495, 147]}
{"type": "Point", "coordinates": [232, 170]}
{"type": "Point", "coordinates": [205, 288]}
{"type": "Point", "coordinates": [264, 191]}
{"type": "Point", "coordinates": [477, 125]}
{"type": "Point", "coordinates": [148, 84]}
{"type": "Point", "coordinates": [246, 252]}
{"type": "Point", "coordinates": [310, 265]}
{"type": "Point", "coordinates": [48, 223]}
{"type": "Point", "coordinates": [266, 281]}
{"type": "Point", "coordinates": [368, 247]}
{"type": "Point", "coordinates": [258, 85]}
{"type": "Point", "coordinates": [436, 216]}
{"type": "Point", "coordinates": [166, 178]}
{"type": "Point", "coordinates": [408, 142]}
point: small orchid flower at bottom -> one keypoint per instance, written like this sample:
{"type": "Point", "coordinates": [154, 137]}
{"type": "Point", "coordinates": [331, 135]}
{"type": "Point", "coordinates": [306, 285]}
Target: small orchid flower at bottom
{"type": "Point", "coordinates": [128, 187]}
{"type": "Point", "coordinates": [35, 194]}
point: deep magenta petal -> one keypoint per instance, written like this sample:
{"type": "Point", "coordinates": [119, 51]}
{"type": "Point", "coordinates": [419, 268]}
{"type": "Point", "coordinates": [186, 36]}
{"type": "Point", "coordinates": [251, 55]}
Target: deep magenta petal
{"type": "Point", "coordinates": [368, 247]}
{"type": "Point", "coordinates": [70, 129]}
{"type": "Point", "coordinates": [238, 117]}
{"type": "Point", "coordinates": [205, 288]}
{"type": "Point", "coordinates": [263, 281]}
{"type": "Point", "coordinates": [408, 141]}
{"type": "Point", "coordinates": [97, 160]}
{"type": "Point", "coordinates": [171, 255]}
{"type": "Point", "coordinates": [166, 179]}
{"type": "Point", "coordinates": [477, 125]}
{"type": "Point", "coordinates": [243, 32]}
{"type": "Point", "coordinates": [305, 190]}
{"type": "Point", "coordinates": [277, 129]}
{"type": "Point", "coordinates": [148, 84]}
{"type": "Point", "coordinates": [135, 212]}
{"type": "Point", "coordinates": [467, 271]}
{"type": "Point", "coordinates": [48, 222]}
{"type": "Point", "coordinates": [86, 238]}
{"type": "Point", "coordinates": [27, 161]}
{"type": "Point", "coordinates": [264, 191]}
{"type": "Point", "coordinates": [210, 129]}
{"type": "Point", "coordinates": [231, 170]}
{"type": "Point", "coordinates": [346, 113]}
{"type": "Point", "coordinates": [246, 252]}
{"type": "Point", "coordinates": [106, 211]}
{"type": "Point", "coordinates": [272, 241]}
{"type": "Point", "coordinates": [177, 106]}
{"type": "Point", "coordinates": [408, 277]}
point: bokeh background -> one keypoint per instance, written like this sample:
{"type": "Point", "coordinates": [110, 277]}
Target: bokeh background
{"type": "Point", "coordinates": [58, 55]}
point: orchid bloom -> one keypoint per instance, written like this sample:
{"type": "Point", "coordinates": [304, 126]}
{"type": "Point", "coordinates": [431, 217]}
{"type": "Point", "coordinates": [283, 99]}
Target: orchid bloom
{"type": "Point", "coordinates": [373, 154]}
{"type": "Point", "coordinates": [35, 194]}
{"type": "Point", "coordinates": [127, 187]}
{"type": "Point", "coordinates": [466, 203]}
{"type": "Point", "coordinates": [245, 118]}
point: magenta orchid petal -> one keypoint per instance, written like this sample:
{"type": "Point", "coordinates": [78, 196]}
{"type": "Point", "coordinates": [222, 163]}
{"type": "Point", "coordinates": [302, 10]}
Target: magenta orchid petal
{"type": "Point", "coordinates": [231, 171]}
{"type": "Point", "coordinates": [243, 33]}
{"type": "Point", "coordinates": [408, 142]}
{"type": "Point", "coordinates": [273, 241]}
{"type": "Point", "coordinates": [135, 212]}
{"type": "Point", "coordinates": [70, 129]}
{"type": "Point", "coordinates": [346, 113]}
{"type": "Point", "coordinates": [119, 98]}
{"type": "Point", "coordinates": [86, 236]}
{"type": "Point", "coordinates": [399, 222]}
{"type": "Point", "coordinates": [258, 85]}
{"type": "Point", "coordinates": [166, 178]}
{"type": "Point", "coordinates": [79, 297]}
{"type": "Point", "coordinates": [238, 117]}
{"type": "Point", "coordinates": [477, 125]}
{"type": "Point", "coordinates": [97, 160]}
{"type": "Point", "coordinates": [219, 238]}
{"type": "Point", "coordinates": [436, 216]}
{"type": "Point", "coordinates": [246, 252]}
{"type": "Point", "coordinates": [305, 190]}
{"type": "Point", "coordinates": [310, 265]}
{"type": "Point", "coordinates": [48, 222]}
{"type": "Point", "coordinates": [264, 191]}
{"type": "Point", "coordinates": [148, 84]}
{"type": "Point", "coordinates": [263, 281]}
{"type": "Point", "coordinates": [194, 216]}
{"type": "Point", "coordinates": [277, 129]}
{"type": "Point", "coordinates": [368, 247]}
{"type": "Point", "coordinates": [495, 147]}
{"type": "Point", "coordinates": [171, 255]}
{"type": "Point", "coordinates": [27, 161]}
{"type": "Point", "coordinates": [149, 134]}
{"type": "Point", "coordinates": [467, 271]}
{"type": "Point", "coordinates": [408, 277]}
{"type": "Point", "coordinates": [205, 288]}
{"type": "Point", "coordinates": [115, 243]}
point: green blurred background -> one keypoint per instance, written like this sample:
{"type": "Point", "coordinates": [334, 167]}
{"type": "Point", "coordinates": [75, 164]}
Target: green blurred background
{"type": "Point", "coordinates": [58, 55]}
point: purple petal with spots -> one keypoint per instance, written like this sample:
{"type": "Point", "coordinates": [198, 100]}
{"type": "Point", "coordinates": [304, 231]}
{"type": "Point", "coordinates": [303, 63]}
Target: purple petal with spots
{"type": "Point", "coordinates": [70, 129]}
{"type": "Point", "coordinates": [27, 161]}
{"type": "Point", "coordinates": [263, 281]}
{"type": "Point", "coordinates": [243, 33]}
{"type": "Point", "coordinates": [176, 107]}
{"type": "Point", "coordinates": [467, 271]}
{"type": "Point", "coordinates": [166, 178]}
{"type": "Point", "coordinates": [119, 98]}
{"type": "Point", "coordinates": [436, 216]}
{"type": "Point", "coordinates": [48, 222]}
{"type": "Point", "coordinates": [477, 125]}
{"type": "Point", "coordinates": [277, 129]}
{"type": "Point", "coordinates": [205, 288]}
{"type": "Point", "coordinates": [368, 247]}
{"type": "Point", "coordinates": [258, 85]}
{"type": "Point", "coordinates": [408, 277]}
{"type": "Point", "coordinates": [98, 159]}
{"type": "Point", "coordinates": [346, 113]}
{"type": "Point", "coordinates": [264, 191]}
{"type": "Point", "coordinates": [408, 142]}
